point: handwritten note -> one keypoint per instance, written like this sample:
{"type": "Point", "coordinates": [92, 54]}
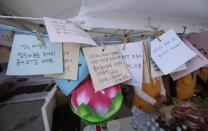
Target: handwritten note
{"type": "Point", "coordinates": [61, 31]}
{"type": "Point", "coordinates": [133, 58]}
{"type": "Point", "coordinates": [107, 67]}
{"type": "Point", "coordinates": [170, 53]}
{"type": "Point", "coordinates": [193, 64]}
{"type": "Point", "coordinates": [154, 69]}
{"type": "Point", "coordinates": [71, 56]}
{"type": "Point", "coordinates": [6, 38]}
{"type": "Point", "coordinates": [28, 57]}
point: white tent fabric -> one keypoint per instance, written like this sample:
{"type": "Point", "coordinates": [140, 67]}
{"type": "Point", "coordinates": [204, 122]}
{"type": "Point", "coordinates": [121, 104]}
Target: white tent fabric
{"type": "Point", "coordinates": [116, 14]}
{"type": "Point", "coordinates": [136, 14]}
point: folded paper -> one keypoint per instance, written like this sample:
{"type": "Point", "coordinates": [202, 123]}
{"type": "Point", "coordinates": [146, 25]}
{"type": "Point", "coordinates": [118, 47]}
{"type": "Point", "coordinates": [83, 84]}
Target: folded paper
{"type": "Point", "coordinates": [29, 57]}
{"type": "Point", "coordinates": [146, 63]}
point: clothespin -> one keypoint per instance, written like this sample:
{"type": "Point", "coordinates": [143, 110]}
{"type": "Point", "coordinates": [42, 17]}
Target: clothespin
{"type": "Point", "coordinates": [157, 33]}
{"type": "Point", "coordinates": [101, 43]}
{"type": "Point", "coordinates": [131, 38]}
{"type": "Point", "coordinates": [10, 36]}
{"type": "Point", "coordinates": [125, 40]}
{"type": "Point", "coordinates": [40, 39]}
{"type": "Point", "coordinates": [142, 36]}
{"type": "Point", "coordinates": [155, 29]}
{"type": "Point", "coordinates": [184, 29]}
{"type": "Point", "coordinates": [103, 46]}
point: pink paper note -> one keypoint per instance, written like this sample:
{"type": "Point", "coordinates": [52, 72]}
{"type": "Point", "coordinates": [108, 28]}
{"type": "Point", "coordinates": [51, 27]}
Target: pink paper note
{"type": "Point", "coordinates": [193, 64]}
{"type": "Point", "coordinates": [200, 42]}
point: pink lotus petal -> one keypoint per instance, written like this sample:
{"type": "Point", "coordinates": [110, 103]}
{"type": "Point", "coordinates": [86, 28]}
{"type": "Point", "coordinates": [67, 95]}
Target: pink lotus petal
{"type": "Point", "coordinates": [84, 92]}
{"type": "Point", "coordinates": [102, 91]}
{"type": "Point", "coordinates": [100, 103]}
{"type": "Point", "coordinates": [73, 100]}
{"type": "Point", "coordinates": [112, 91]}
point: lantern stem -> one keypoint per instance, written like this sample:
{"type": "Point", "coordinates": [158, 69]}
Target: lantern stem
{"type": "Point", "coordinates": [98, 128]}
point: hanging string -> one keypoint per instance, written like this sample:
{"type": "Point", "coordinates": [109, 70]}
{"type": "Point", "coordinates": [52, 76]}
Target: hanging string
{"type": "Point", "coordinates": [20, 17]}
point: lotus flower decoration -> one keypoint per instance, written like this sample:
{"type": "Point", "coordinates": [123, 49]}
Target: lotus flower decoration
{"type": "Point", "coordinates": [95, 107]}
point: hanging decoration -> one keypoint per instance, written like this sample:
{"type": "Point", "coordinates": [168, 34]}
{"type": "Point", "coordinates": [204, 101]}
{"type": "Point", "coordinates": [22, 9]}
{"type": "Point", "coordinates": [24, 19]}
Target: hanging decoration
{"type": "Point", "coordinates": [95, 107]}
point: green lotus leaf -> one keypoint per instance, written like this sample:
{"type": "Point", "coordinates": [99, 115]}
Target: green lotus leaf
{"type": "Point", "coordinates": [83, 110]}
{"type": "Point", "coordinates": [89, 116]}
{"type": "Point", "coordinates": [115, 106]}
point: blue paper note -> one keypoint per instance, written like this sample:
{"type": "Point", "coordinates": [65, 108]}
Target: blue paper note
{"type": "Point", "coordinates": [66, 86]}
{"type": "Point", "coordinates": [29, 57]}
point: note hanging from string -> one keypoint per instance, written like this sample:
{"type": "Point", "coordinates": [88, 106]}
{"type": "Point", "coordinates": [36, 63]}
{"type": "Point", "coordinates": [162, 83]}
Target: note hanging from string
{"type": "Point", "coordinates": [106, 66]}
{"type": "Point", "coordinates": [133, 58]}
{"type": "Point", "coordinates": [192, 65]}
{"type": "Point", "coordinates": [71, 58]}
{"type": "Point", "coordinates": [29, 57]}
{"type": "Point", "coordinates": [61, 31]}
{"type": "Point", "coordinates": [170, 53]}
{"type": "Point", "coordinates": [199, 41]}
{"type": "Point", "coordinates": [154, 69]}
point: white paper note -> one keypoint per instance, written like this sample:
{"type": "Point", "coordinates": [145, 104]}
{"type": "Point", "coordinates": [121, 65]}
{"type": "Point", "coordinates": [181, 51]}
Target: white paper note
{"type": "Point", "coordinates": [133, 58]}
{"type": "Point", "coordinates": [107, 67]}
{"type": "Point", "coordinates": [28, 57]}
{"type": "Point", "coordinates": [171, 52]}
{"type": "Point", "coordinates": [61, 31]}
{"type": "Point", "coordinates": [156, 72]}
{"type": "Point", "coordinates": [71, 58]}
{"type": "Point", "coordinates": [193, 64]}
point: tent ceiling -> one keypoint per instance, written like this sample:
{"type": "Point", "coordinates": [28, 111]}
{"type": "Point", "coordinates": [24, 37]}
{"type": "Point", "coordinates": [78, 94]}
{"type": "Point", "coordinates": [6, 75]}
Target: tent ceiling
{"type": "Point", "coordinates": [40, 8]}
{"type": "Point", "coordinates": [134, 14]}
{"type": "Point", "coordinates": [193, 9]}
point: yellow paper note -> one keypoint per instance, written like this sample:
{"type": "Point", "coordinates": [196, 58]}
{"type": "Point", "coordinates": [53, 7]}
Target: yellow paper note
{"type": "Point", "coordinates": [106, 67]}
{"type": "Point", "coordinates": [4, 53]}
{"type": "Point", "coordinates": [71, 58]}
{"type": "Point", "coordinates": [146, 66]}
